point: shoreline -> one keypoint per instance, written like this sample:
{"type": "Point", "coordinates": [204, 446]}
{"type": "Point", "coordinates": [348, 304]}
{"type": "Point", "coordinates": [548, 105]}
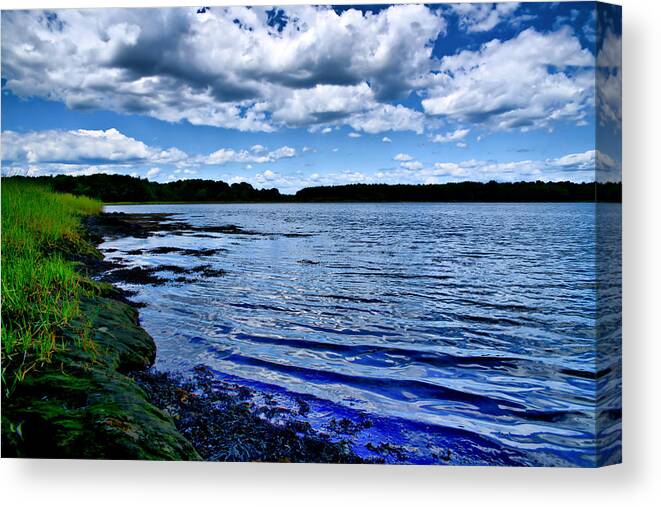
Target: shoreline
{"type": "Point", "coordinates": [189, 203]}
{"type": "Point", "coordinates": [109, 403]}
{"type": "Point", "coordinates": [82, 404]}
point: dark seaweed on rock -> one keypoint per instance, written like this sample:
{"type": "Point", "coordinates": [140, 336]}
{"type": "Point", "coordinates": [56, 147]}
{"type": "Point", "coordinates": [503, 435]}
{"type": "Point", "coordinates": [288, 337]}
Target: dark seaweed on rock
{"type": "Point", "coordinates": [138, 275]}
{"type": "Point", "coordinates": [220, 421]}
{"type": "Point", "coordinates": [143, 225]}
{"type": "Point", "coordinates": [162, 250]}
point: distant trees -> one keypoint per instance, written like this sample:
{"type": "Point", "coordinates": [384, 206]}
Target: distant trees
{"type": "Point", "coordinates": [120, 188]}
{"type": "Point", "coordinates": [468, 191]}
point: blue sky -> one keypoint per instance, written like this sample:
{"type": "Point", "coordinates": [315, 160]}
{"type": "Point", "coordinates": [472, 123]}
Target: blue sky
{"type": "Point", "coordinates": [303, 96]}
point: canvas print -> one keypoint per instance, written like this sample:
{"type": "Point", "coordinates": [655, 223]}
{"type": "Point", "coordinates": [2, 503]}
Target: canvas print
{"type": "Point", "coordinates": [369, 234]}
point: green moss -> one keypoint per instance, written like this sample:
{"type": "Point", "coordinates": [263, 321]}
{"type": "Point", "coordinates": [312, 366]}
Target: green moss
{"type": "Point", "coordinates": [82, 406]}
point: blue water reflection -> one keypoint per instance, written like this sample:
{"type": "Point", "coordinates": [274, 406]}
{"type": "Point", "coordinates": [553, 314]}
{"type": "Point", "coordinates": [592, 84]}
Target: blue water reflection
{"type": "Point", "coordinates": [468, 326]}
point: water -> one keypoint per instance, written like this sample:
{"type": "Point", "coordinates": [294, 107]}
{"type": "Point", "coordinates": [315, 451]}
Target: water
{"type": "Point", "coordinates": [469, 327]}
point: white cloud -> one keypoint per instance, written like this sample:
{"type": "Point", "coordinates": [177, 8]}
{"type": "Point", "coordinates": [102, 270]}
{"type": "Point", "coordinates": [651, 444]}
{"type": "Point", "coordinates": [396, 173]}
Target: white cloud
{"type": "Point", "coordinates": [356, 106]}
{"type": "Point", "coordinates": [462, 145]}
{"type": "Point", "coordinates": [482, 17]}
{"type": "Point", "coordinates": [82, 151]}
{"type": "Point", "coordinates": [584, 161]}
{"type": "Point", "coordinates": [228, 155]}
{"type": "Point", "coordinates": [82, 147]}
{"type": "Point", "coordinates": [525, 82]}
{"type": "Point", "coordinates": [386, 140]}
{"type": "Point", "coordinates": [450, 136]}
{"type": "Point", "coordinates": [312, 67]}
{"type": "Point", "coordinates": [413, 165]}
{"type": "Point", "coordinates": [573, 167]}
{"type": "Point", "coordinates": [449, 169]}
{"type": "Point", "coordinates": [407, 162]}
{"type": "Point", "coordinates": [319, 104]}
{"type": "Point", "coordinates": [229, 67]}
{"type": "Point", "coordinates": [283, 152]}
{"type": "Point", "coordinates": [387, 117]}
{"type": "Point", "coordinates": [354, 135]}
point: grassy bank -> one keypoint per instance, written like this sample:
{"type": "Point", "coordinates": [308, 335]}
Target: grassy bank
{"type": "Point", "coordinates": [41, 289]}
{"type": "Point", "coordinates": [68, 342]}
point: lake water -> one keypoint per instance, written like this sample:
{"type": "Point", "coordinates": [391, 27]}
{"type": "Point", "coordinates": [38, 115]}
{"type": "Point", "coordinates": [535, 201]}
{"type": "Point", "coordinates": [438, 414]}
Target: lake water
{"type": "Point", "coordinates": [461, 327]}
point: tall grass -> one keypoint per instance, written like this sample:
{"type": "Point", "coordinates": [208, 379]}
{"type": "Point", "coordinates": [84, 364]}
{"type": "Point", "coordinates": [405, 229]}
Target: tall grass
{"type": "Point", "coordinates": [41, 289]}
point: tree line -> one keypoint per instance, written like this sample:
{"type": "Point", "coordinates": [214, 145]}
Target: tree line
{"type": "Point", "coordinates": [467, 191]}
{"type": "Point", "coordinates": [123, 188]}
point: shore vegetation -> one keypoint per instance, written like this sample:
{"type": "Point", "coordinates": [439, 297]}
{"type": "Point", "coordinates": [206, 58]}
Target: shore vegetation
{"type": "Point", "coordinates": [117, 188]}
{"type": "Point", "coordinates": [41, 288]}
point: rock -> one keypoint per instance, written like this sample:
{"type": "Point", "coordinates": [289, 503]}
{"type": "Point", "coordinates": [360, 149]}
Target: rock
{"type": "Point", "coordinates": [82, 405]}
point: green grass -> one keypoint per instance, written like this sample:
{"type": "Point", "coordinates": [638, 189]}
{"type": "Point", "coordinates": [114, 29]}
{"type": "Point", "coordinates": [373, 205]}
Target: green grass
{"type": "Point", "coordinates": [41, 289]}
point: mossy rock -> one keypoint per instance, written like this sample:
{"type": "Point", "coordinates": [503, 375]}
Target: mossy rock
{"type": "Point", "coordinates": [83, 406]}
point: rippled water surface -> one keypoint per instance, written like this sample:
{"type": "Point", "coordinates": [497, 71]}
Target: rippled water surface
{"type": "Point", "coordinates": [468, 327]}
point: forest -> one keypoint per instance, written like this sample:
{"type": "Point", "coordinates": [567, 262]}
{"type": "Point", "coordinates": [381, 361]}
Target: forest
{"type": "Point", "coordinates": [114, 188]}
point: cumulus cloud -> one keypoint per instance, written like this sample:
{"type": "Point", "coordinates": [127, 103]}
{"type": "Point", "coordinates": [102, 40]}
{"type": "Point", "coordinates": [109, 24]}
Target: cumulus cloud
{"type": "Point", "coordinates": [386, 117]}
{"type": "Point", "coordinates": [82, 147]}
{"type": "Point", "coordinates": [525, 82]}
{"type": "Point", "coordinates": [450, 136]}
{"type": "Point", "coordinates": [251, 69]}
{"type": "Point", "coordinates": [406, 161]}
{"type": "Point", "coordinates": [263, 69]}
{"type": "Point", "coordinates": [354, 135]}
{"type": "Point", "coordinates": [386, 139]}
{"type": "Point", "coordinates": [574, 167]}
{"type": "Point", "coordinates": [89, 151]}
{"type": "Point", "coordinates": [482, 17]}
{"type": "Point", "coordinates": [228, 155]}
{"type": "Point", "coordinates": [413, 165]}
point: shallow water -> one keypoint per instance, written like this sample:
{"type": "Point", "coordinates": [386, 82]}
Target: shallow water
{"type": "Point", "coordinates": [468, 327]}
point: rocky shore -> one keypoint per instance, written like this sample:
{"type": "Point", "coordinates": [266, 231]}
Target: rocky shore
{"type": "Point", "coordinates": [83, 404]}
{"type": "Point", "coordinates": [105, 402]}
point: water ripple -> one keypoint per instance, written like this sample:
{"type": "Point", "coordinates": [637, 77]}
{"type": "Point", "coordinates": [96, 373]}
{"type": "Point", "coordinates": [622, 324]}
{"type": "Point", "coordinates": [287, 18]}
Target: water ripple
{"type": "Point", "coordinates": [456, 325]}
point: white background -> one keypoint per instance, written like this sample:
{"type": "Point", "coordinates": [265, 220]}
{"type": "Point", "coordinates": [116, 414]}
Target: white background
{"type": "Point", "coordinates": [636, 482]}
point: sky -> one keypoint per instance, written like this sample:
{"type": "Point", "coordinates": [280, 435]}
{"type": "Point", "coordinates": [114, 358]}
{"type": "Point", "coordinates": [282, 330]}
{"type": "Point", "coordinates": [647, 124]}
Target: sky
{"type": "Point", "coordinates": [302, 96]}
